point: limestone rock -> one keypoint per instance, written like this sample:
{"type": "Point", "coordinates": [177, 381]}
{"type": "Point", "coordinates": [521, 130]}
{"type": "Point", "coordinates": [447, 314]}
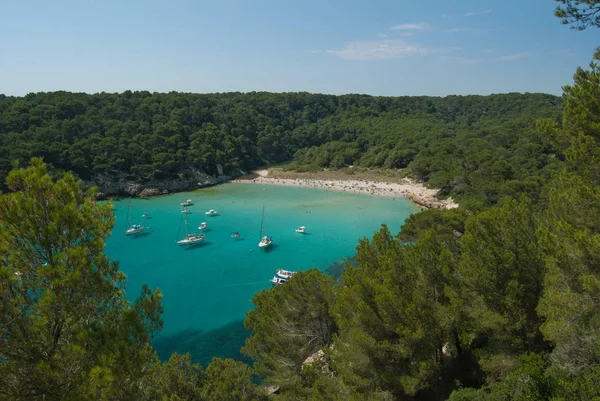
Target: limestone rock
{"type": "Point", "coordinates": [187, 179]}
{"type": "Point", "coordinates": [148, 192]}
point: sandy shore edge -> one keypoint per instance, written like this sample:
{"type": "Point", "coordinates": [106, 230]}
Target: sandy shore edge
{"type": "Point", "coordinates": [407, 188]}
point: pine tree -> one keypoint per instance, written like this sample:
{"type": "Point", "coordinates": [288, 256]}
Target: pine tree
{"type": "Point", "coordinates": [66, 330]}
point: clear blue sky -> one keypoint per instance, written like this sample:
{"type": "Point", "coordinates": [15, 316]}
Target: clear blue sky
{"type": "Point", "coordinates": [378, 47]}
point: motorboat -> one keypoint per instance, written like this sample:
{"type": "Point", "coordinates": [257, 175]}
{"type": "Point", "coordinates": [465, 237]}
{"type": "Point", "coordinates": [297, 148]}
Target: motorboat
{"type": "Point", "coordinates": [235, 235]}
{"type": "Point", "coordinates": [265, 242]}
{"type": "Point", "coordinates": [187, 202]}
{"type": "Point", "coordinates": [211, 212]}
{"type": "Point", "coordinates": [186, 211]}
{"type": "Point", "coordinates": [146, 216]}
{"type": "Point", "coordinates": [281, 276]}
{"type": "Point", "coordinates": [301, 230]}
{"type": "Point", "coordinates": [284, 274]}
{"type": "Point", "coordinates": [277, 281]}
{"type": "Point", "coordinates": [202, 226]}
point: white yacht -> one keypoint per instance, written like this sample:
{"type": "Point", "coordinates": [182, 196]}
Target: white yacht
{"type": "Point", "coordinates": [281, 276]}
{"type": "Point", "coordinates": [211, 213]}
{"type": "Point", "coordinates": [301, 230]}
{"type": "Point", "coordinates": [285, 274]}
{"type": "Point", "coordinates": [265, 240]}
{"type": "Point", "coordinates": [133, 228]}
{"type": "Point", "coordinates": [187, 202]}
{"type": "Point", "coordinates": [190, 238]}
{"type": "Point", "coordinates": [277, 281]}
{"type": "Point", "coordinates": [186, 211]}
{"type": "Point", "coordinates": [202, 226]}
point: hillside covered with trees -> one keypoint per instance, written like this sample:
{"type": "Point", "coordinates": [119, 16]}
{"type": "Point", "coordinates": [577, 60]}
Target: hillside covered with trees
{"type": "Point", "coordinates": [478, 146]}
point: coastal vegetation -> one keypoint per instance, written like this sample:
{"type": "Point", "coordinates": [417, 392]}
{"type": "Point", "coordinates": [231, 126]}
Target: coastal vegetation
{"type": "Point", "coordinates": [476, 148]}
{"type": "Point", "coordinates": [496, 300]}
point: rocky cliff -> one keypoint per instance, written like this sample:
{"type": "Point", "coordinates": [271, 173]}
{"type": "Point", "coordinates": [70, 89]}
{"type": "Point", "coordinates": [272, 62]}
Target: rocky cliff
{"type": "Point", "coordinates": [124, 185]}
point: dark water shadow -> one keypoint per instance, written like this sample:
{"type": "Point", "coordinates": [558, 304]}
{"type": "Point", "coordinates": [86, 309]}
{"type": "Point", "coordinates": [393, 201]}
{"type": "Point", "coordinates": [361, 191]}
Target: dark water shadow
{"type": "Point", "coordinates": [223, 342]}
{"type": "Point", "coordinates": [337, 268]}
{"type": "Point", "coordinates": [269, 249]}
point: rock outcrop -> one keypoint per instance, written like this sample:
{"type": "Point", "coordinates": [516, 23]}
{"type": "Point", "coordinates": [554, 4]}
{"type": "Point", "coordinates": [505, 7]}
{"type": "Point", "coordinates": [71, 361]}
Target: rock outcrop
{"type": "Point", "coordinates": [187, 180]}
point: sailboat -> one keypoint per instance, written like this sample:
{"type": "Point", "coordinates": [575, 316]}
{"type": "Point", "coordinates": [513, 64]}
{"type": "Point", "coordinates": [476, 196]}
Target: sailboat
{"type": "Point", "coordinates": [190, 239]}
{"type": "Point", "coordinates": [133, 228]}
{"type": "Point", "coordinates": [265, 241]}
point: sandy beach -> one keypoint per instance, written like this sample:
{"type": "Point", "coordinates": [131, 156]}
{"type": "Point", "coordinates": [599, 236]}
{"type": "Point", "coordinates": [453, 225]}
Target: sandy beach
{"type": "Point", "coordinates": [407, 188]}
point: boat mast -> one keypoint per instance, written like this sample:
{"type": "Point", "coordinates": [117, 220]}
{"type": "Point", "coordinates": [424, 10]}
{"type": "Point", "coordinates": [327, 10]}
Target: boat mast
{"type": "Point", "coordinates": [129, 212]}
{"type": "Point", "coordinates": [186, 225]}
{"type": "Point", "coordinates": [261, 223]}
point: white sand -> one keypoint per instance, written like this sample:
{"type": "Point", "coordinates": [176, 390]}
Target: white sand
{"type": "Point", "coordinates": [415, 191]}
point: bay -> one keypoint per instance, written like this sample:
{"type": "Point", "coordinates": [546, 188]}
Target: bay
{"type": "Point", "coordinates": [207, 289]}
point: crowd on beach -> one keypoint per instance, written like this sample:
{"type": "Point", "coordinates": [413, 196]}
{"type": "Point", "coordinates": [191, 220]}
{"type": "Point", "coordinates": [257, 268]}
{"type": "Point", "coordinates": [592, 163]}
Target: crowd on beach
{"type": "Point", "coordinates": [408, 189]}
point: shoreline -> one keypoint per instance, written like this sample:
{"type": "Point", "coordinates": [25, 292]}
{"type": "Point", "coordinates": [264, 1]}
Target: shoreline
{"type": "Point", "coordinates": [406, 188]}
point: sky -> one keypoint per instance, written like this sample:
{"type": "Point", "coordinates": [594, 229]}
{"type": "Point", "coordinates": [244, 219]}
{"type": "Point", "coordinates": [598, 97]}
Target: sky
{"type": "Point", "coordinates": [376, 47]}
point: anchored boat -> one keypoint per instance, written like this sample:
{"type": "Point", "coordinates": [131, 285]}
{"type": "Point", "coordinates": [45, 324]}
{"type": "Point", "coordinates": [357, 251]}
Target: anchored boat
{"type": "Point", "coordinates": [133, 228]}
{"type": "Point", "coordinates": [190, 238]}
{"type": "Point", "coordinates": [281, 276]}
{"type": "Point", "coordinates": [265, 240]}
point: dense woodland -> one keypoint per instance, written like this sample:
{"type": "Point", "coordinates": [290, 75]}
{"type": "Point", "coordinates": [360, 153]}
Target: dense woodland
{"type": "Point", "coordinates": [496, 300]}
{"type": "Point", "coordinates": [476, 148]}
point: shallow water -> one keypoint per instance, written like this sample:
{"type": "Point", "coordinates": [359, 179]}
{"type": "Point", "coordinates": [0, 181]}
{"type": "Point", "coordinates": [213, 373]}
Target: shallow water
{"type": "Point", "coordinates": [208, 288]}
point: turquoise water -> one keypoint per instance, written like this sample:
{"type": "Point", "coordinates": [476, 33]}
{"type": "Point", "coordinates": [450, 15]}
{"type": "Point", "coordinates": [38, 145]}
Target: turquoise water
{"type": "Point", "coordinates": [208, 288]}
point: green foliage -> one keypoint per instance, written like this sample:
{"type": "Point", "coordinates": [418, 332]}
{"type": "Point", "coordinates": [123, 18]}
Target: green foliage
{"type": "Point", "coordinates": [447, 222]}
{"type": "Point", "coordinates": [502, 269]}
{"type": "Point", "coordinates": [527, 383]}
{"type": "Point", "coordinates": [477, 148]}
{"type": "Point", "coordinates": [227, 379]}
{"type": "Point", "coordinates": [579, 13]}
{"type": "Point", "coordinates": [570, 303]}
{"type": "Point", "coordinates": [385, 315]}
{"type": "Point", "coordinates": [175, 380]}
{"type": "Point", "coordinates": [66, 330]}
{"type": "Point", "coordinates": [290, 323]}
